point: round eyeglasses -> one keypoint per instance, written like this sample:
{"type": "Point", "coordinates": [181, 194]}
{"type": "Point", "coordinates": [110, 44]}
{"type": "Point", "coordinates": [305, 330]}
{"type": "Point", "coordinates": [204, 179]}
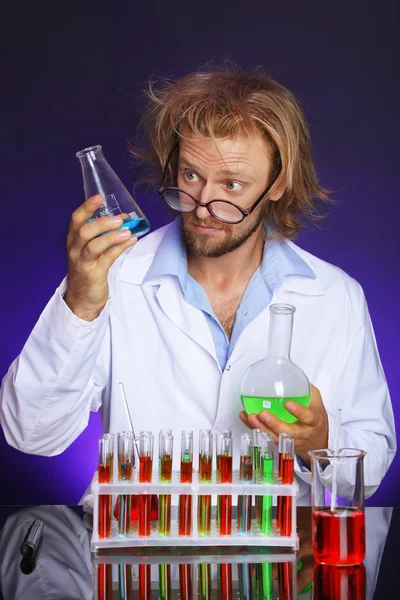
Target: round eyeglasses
{"type": "Point", "coordinates": [222, 210]}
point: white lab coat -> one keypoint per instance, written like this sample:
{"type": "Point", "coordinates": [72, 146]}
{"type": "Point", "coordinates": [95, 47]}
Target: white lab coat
{"type": "Point", "coordinates": [161, 348]}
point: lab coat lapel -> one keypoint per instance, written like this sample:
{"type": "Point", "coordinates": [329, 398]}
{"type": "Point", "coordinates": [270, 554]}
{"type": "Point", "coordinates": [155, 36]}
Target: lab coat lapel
{"type": "Point", "coordinates": [254, 337]}
{"type": "Point", "coordinates": [189, 319]}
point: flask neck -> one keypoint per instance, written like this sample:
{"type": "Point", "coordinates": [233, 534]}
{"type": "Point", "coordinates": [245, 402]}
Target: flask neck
{"type": "Point", "coordinates": [89, 156]}
{"type": "Point", "coordinates": [280, 331]}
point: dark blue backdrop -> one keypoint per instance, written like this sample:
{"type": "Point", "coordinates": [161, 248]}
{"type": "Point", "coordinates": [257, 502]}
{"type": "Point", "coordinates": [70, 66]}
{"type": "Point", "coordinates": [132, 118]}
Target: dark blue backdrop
{"type": "Point", "coordinates": [72, 79]}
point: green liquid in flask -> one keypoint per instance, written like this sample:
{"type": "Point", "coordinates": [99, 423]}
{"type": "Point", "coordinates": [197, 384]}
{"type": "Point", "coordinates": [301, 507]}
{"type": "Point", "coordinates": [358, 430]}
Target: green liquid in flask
{"type": "Point", "coordinates": [255, 404]}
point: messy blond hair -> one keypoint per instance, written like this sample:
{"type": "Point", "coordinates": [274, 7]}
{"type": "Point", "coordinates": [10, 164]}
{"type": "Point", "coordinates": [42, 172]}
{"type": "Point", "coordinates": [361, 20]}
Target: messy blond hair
{"type": "Point", "coordinates": [231, 102]}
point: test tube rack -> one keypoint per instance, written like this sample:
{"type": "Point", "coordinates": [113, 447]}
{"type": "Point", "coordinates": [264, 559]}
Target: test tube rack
{"type": "Point", "coordinates": [251, 573]}
{"type": "Point", "coordinates": [196, 489]}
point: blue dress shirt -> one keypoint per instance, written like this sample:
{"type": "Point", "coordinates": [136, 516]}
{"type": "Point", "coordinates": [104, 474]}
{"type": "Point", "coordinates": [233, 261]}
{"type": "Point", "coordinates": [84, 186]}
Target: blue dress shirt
{"type": "Point", "coordinates": [279, 261]}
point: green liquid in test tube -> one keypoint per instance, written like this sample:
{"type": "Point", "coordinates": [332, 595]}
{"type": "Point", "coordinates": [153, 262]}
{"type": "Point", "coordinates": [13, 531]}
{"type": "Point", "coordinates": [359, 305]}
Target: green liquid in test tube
{"type": "Point", "coordinates": [165, 444]}
{"type": "Point", "coordinates": [164, 582]}
{"type": "Point", "coordinates": [205, 476]}
{"type": "Point", "coordinates": [257, 471]}
{"type": "Point", "coordinates": [266, 582]}
{"type": "Point", "coordinates": [267, 474]}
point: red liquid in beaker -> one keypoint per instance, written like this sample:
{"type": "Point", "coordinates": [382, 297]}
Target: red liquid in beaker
{"type": "Point", "coordinates": [339, 537]}
{"type": "Point", "coordinates": [341, 583]}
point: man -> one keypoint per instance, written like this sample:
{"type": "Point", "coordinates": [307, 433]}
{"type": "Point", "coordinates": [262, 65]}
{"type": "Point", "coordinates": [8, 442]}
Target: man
{"type": "Point", "coordinates": [180, 316]}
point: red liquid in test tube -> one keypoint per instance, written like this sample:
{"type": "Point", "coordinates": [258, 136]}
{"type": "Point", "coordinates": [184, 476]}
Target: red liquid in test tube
{"type": "Point", "coordinates": [287, 477]}
{"type": "Point", "coordinates": [225, 582]}
{"type": "Point", "coordinates": [144, 582]}
{"type": "Point", "coordinates": [186, 475]}
{"type": "Point", "coordinates": [224, 475]}
{"type": "Point", "coordinates": [186, 582]}
{"type": "Point", "coordinates": [146, 443]}
{"type": "Point", "coordinates": [282, 437]}
{"type": "Point", "coordinates": [104, 582]}
{"type": "Point", "coordinates": [205, 476]}
{"type": "Point", "coordinates": [105, 471]}
{"type": "Point", "coordinates": [165, 444]}
{"type": "Point", "coordinates": [285, 581]}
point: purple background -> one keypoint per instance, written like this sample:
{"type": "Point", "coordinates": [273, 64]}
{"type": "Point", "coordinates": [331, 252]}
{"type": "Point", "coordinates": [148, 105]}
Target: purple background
{"type": "Point", "coordinates": [71, 80]}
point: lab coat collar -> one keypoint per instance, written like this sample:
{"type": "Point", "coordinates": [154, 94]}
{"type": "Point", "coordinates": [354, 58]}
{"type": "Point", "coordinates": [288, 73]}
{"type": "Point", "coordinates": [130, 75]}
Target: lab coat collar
{"type": "Point", "coordinates": [138, 260]}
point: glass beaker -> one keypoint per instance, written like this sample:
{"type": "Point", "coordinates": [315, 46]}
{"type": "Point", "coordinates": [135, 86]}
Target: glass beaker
{"type": "Point", "coordinates": [270, 383]}
{"type": "Point", "coordinates": [99, 178]}
{"type": "Point", "coordinates": [338, 516]}
{"type": "Point", "coordinates": [341, 583]}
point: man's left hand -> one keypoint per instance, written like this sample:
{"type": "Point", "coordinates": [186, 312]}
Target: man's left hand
{"type": "Point", "coordinates": [310, 432]}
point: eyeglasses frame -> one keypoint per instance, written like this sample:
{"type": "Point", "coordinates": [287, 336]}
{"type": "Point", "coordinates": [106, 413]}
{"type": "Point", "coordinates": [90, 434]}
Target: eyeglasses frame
{"type": "Point", "coordinates": [245, 211]}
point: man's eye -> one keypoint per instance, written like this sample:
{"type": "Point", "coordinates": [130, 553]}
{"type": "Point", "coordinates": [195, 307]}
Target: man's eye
{"type": "Point", "coordinates": [234, 186]}
{"type": "Point", "coordinates": [191, 176]}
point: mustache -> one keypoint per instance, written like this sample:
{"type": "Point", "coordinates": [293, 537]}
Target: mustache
{"type": "Point", "coordinates": [209, 222]}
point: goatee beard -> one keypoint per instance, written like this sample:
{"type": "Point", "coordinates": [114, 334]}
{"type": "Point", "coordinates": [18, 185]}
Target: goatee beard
{"type": "Point", "coordinates": [201, 245]}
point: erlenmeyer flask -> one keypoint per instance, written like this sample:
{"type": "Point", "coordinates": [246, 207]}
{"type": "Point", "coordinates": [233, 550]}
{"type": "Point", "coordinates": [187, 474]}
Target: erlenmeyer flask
{"type": "Point", "coordinates": [271, 382]}
{"type": "Point", "coordinates": [99, 178]}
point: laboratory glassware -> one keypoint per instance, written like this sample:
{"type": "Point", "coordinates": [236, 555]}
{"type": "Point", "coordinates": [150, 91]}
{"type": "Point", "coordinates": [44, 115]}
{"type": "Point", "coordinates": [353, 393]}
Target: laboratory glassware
{"type": "Point", "coordinates": [269, 383]}
{"type": "Point", "coordinates": [100, 178]}
{"type": "Point", "coordinates": [338, 534]}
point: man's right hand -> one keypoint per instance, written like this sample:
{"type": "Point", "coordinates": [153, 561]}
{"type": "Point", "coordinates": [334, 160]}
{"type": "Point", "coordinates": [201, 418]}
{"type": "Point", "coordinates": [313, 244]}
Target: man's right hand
{"type": "Point", "coordinates": [90, 257]}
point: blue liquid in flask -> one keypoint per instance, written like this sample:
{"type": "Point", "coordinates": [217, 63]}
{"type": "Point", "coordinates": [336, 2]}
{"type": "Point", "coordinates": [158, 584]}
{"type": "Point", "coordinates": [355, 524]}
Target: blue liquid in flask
{"type": "Point", "coordinates": [137, 226]}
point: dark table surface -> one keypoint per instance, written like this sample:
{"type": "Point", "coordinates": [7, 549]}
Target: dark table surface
{"type": "Point", "coordinates": [65, 568]}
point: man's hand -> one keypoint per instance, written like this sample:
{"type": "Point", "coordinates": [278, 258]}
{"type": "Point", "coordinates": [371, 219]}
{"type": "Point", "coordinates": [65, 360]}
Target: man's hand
{"type": "Point", "coordinates": [310, 432]}
{"type": "Point", "coordinates": [90, 255]}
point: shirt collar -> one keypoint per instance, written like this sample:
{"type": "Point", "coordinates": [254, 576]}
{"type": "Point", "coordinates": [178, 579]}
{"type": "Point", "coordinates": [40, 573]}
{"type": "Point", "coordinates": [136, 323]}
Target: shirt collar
{"type": "Point", "coordinates": [170, 257]}
{"type": "Point", "coordinates": [279, 261]}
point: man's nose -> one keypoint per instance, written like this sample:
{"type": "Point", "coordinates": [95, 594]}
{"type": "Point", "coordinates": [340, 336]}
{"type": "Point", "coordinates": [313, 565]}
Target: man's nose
{"type": "Point", "coordinates": [207, 194]}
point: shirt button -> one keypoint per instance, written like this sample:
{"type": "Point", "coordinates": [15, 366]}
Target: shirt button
{"type": "Point", "coordinates": [228, 368]}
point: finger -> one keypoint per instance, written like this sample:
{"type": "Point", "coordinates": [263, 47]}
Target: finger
{"type": "Point", "coordinates": [110, 256]}
{"type": "Point", "coordinates": [244, 418]}
{"type": "Point", "coordinates": [306, 416]}
{"type": "Point", "coordinates": [85, 211]}
{"type": "Point", "coordinates": [316, 398]}
{"type": "Point", "coordinates": [276, 425]}
{"type": "Point", "coordinates": [99, 245]}
{"type": "Point", "coordinates": [94, 229]}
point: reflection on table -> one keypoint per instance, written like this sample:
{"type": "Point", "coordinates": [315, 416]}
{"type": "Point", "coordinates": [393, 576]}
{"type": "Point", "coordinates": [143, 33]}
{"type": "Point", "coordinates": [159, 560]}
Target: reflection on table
{"type": "Point", "coordinates": [64, 567]}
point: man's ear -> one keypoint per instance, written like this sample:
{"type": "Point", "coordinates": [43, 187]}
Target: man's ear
{"type": "Point", "coordinates": [279, 191]}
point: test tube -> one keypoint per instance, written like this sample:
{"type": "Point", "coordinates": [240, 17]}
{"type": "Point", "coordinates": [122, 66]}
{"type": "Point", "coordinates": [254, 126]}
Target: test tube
{"type": "Point", "coordinates": [165, 452]}
{"type": "Point", "coordinates": [204, 582]}
{"type": "Point", "coordinates": [146, 443]}
{"type": "Point", "coordinates": [225, 581]}
{"type": "Point", "coordinates": [202, 432]}
{"type": "Point", "coordinates": [186, 582]}
{"type": "Point", "coordinates": [287, 477]}
{"type": "Point", "coordinates": [244, 578]}
{"type": "Point", "coordinates": [144, 580]}
{"type": "Point", "coordinates": [164, 582]}
{"type": "Point", "coordinates": [125, 587]}
{"type": "Point", "coordinates": [285, 580]}
{"type": "Point", "coordinates": [257, 471]}
{"type": "Point", "coordinates": [105, 475]}
{"type": "Point", "coordinates": [282, 437]}
{"type": "Point", "coordinates": [267, 586]}
{"type": "Point", "coordinates": [246, 475]}
{"type": "Point", "coordinates": [267, 475]}
{"type": "Point", "coordinates": [224, 475]}
{"type": "Point", "coordinates": [104, 582]}
{"type": "Point", "coordinates": [205, 476]}
{"type": "Point", "coordinates": [186, 475]}
{"type": "Point", "coordinates": [125, 470]}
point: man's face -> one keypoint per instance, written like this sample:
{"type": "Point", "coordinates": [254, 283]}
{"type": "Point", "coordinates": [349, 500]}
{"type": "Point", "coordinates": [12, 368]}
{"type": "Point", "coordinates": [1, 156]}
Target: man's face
{"type": "Point", "coordinates": [234, 169]}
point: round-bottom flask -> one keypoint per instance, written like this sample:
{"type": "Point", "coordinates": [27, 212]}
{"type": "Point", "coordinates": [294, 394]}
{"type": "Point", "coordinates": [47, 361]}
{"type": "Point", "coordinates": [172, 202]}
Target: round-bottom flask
{"type": "Point", "coordinates": [270, 383]}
